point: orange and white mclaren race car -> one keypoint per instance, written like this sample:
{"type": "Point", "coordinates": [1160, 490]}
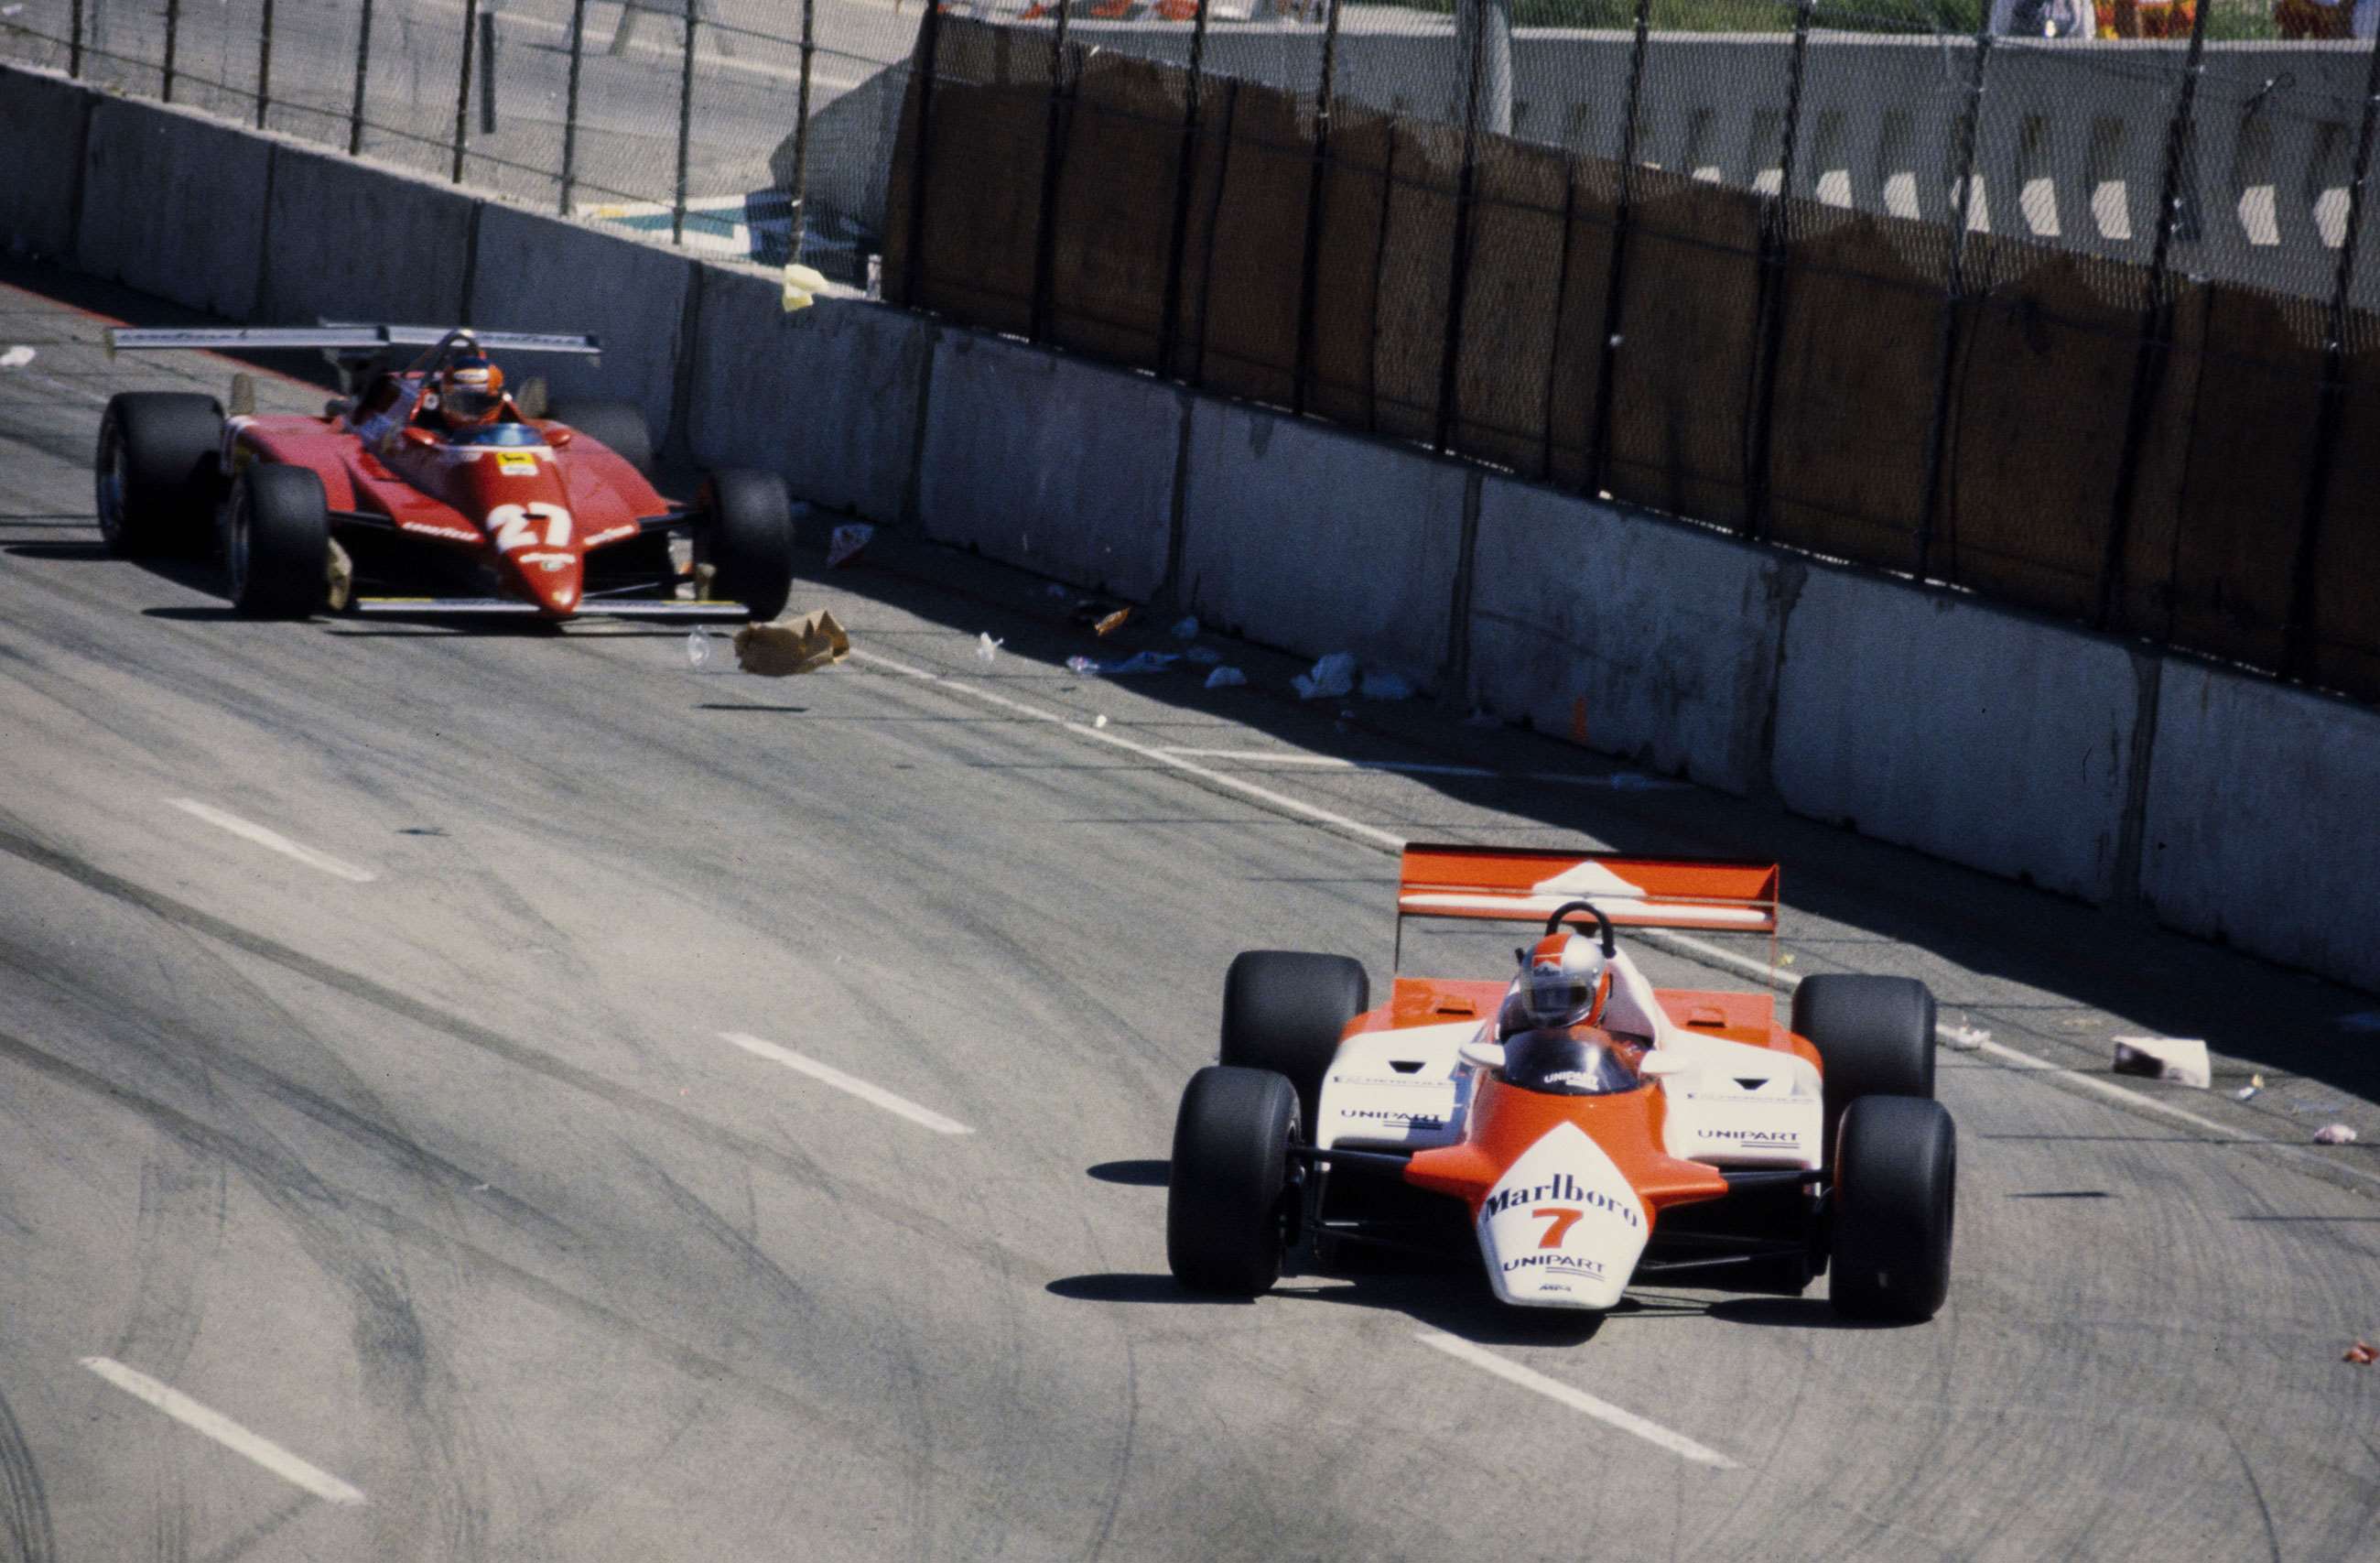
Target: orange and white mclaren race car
{"type": "Point", "coordinates": [429, 475]}
{"type": "Point", "coordinates": [1574, 1127]}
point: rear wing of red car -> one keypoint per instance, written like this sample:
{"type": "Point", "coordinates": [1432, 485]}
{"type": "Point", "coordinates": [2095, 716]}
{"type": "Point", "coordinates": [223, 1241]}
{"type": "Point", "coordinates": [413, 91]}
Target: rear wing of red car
{"type": "Point", "coordinates": [1505, 884]}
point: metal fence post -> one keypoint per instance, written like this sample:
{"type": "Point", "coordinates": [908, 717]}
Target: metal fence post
{"type": "Point", "coordinates": [1450, 365]}
{"type": "Point", "coordinates": [488, 71]}
{"type": "Point", "coordinates": [1775, 239]}
{"type": "Point", "coordinates": [2156, 323]}
{"type": "Point", "coordinates": [2300, 645]}
{"type": "Point", "coordinates": [1309, 278]}
{"type": "Point", "coordinates": [173, 40]}
{"type": "Point", "coordinates": [685, 127]}
{"type": "Point", "coordinates": [74, 40]}
{"type": "Point", "coordinates": [263, 64]}
{"type": "Point", "coordinates": [801, 191]}
{"type": "Point", "coordinates": [1954, 291]}
{"type": "Point", "coordinates": [1598, 434]}
{"type": "Point", "coordinates": [1053, 150]}
{"type": "Point", "coordinates": [463, 88]}
{"type": "Point", "coordinates": [570, 103]}
{"type": "Point", "coordinates": [930, 31]}
{"type": "Point", "coordinates": [1184, 184]}
{"type": "Point", "coordinates": [363, 67]}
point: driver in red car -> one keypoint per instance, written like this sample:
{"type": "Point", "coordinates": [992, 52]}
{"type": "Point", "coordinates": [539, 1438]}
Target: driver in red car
{"type": "Point", "coordinates": [1551, 1022]}
{"type": "Point", "coordinates": [470, 394]}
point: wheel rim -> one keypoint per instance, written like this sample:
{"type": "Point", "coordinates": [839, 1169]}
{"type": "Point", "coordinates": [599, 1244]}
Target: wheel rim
{"type": "Point", "coordinates": [113, 480]}
{"type": "Point", "coordinates": [236, 546]}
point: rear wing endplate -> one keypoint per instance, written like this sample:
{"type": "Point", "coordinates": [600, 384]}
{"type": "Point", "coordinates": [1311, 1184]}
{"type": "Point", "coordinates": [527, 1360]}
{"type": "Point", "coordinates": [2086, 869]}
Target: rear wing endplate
{"type": "Point", "coordinates": [1504, 884]}
{"type": "Point", "coordinates": [335, 338]}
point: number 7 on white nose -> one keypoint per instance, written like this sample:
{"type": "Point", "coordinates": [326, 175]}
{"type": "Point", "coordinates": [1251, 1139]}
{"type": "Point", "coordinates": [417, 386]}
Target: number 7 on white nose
{"type": "Point", "coordinates": [512, 526]}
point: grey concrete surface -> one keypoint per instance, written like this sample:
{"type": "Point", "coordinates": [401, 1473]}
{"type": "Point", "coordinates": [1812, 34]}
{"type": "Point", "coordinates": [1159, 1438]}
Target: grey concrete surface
{"type": "Point", "coordinates": [171, 203]}
{"type": "Point", "coordinates": [2309, 895]}
{"type": "Point", "coordinates": [43, 123]}
{"type": "Point", "coordinates": [1958, 729]}
{"type": "Point", "coordinates": [831, 393]}
{"type": "Point", "coordinates": [1668, 634]}
{"type": "Point", "coordinates": [343, 233]}
{"type": "Point", "coordinates": [447, 1183]}
{"type": "Point", "coordinates": [1047, 461]}
{"type": "Point", "coordinates": [1306, 537]}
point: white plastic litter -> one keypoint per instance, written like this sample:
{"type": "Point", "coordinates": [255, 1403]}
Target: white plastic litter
{"type": "Point", "coordinates": [1205, 656]}
{"type": "Point", "coordinates": [16, 358]}
{"type": "Point", "coordinates": [1961, 1037]}
{"type": "Point", "coordinates": [986, 650]}
{"type": "Point", "coordinates": [2333, 1134]}
{"type": "Point", "coordinates": [1131, 667]}
{"type": "Point", "coordinates": [1226, 678]}
{"type": "Point", "coordinates": [1187, 629]}
{"type": "Point", "coordinates": [2182, 1060]}
{"type": "Point", "coordinates": [1332, 677]}
{"type": "Point", "coordinates": [701, 654]}
{"type": "Point", "coordinates": [1384, 685]}
{"type": "Point", "coordinates": [1100, 720]}
{"type": "Point", "coordinates": [2246, 1093]}
{"type": "Point", "coordinates": [846, 541]}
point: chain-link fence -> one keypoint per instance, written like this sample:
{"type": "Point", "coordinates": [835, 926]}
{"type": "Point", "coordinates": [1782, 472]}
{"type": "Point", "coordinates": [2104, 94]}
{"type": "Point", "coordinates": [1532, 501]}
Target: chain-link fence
{"type": "Point", "coordinates": [743, 126]}
{"type": "Point", "coordinates": [2086, 324]}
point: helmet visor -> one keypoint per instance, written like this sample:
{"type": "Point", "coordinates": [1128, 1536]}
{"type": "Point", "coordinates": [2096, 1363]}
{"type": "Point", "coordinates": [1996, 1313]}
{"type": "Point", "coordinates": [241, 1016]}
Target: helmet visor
{"type": "Point", "coordinates": [473, 402]}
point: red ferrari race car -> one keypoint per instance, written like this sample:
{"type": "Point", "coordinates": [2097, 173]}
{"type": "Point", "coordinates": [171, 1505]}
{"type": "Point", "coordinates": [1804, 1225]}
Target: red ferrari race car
{"type": "Point", "coordinates": [1574, 1127]}
{"type": "Point", "coordinates": [431, 475]}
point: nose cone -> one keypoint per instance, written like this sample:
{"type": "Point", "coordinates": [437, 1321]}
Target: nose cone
{"type": "Point", "coordinates": [553, 579]}
{"type": "Point", "coordinates": [1562, 1229]}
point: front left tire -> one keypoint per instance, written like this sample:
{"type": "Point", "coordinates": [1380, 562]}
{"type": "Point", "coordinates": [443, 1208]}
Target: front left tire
{"type": "Point", "coordinates": [1895, 1201]}
{"type": "Point", "coordinates": [277, 546]}
{"type": "Point", "coordinates": [747, 531]}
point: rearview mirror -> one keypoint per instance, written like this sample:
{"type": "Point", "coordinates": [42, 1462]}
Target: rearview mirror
{"type": "Point", "coordinates": [1482, 1054]}
{"type": "Point", "coordinates": [1661, 1062]}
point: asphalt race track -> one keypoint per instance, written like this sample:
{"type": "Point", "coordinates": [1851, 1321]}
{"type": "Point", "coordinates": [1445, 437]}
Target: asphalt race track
{"type": "Point", "coordinates": [444, 1170]}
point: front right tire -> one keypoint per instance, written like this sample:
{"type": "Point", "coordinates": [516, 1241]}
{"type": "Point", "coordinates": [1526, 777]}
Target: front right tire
{"type": "Point", "coordinates": [1230, 1201]}
{"type": "Point", "coordinates": [1895, 1200]}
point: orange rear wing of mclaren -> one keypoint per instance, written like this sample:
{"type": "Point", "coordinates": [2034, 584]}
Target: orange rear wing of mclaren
{"type": "Point", "coordinates": [1504, 884]}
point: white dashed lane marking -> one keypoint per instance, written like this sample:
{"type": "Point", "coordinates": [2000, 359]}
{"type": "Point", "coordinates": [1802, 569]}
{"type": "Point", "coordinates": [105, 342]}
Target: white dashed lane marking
{"type": "Point", "coordinates": [272, 840]}
{"type": "Point", "coordinates": [1576, 1399]}
{"type": "Point", "coordinates": [877, 1096]}
{"type": "Point", "coordinates": [225, 1430]}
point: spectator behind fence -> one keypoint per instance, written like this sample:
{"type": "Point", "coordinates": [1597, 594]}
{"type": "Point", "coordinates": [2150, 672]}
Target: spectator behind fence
{"type": "Point", "coordinates": [2323, 20]}
{"type": "Point", "coordinates": [2144, 18]}
{"type": "Point", "coordinates": [2042, 19]}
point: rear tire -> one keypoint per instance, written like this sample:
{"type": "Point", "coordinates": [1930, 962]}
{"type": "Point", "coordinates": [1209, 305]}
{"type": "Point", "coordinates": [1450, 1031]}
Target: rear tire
{"type": "Point", "coordinates": [157, 471]}
{"type": "Point", "coordinates": [1227, 1204]}
{"type": "Point", "coordinates": [278, 543]}
{"type": "Point", "coordinates": [618, 426]}
{"type": "Point", "coordinates": [1895, 1201]}
{"type": "Point", "coordinates": [1283, 1011]}
{"type": "Point", "coordinates": [747, 531]}
{"type": "Point", "coordinates": [1875, 1037]}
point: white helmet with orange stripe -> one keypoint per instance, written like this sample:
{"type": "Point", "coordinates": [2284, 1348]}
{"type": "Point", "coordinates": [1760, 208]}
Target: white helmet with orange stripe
{"type": "Point", "coordinates": [1564, 981]}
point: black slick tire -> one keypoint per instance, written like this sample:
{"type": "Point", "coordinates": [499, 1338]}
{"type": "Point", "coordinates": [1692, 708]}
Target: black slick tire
{"type": "Point", "coordinates": [1227, 1204]}
{"type": "Point", "coordinates": [1283, 1011]}
{"type": "Point", "coordinates": [1875, 1037]}
{"type": "Point", "coordinates": [157, 473]}
{"type": "Point", "coordinates": [618, 426]}
{"type": "Point", "coordinates": [747, 531]}
{"type": "Point", "coordinates": [1895, 1201]}
{"type": "Point", "coordinates": [277, 544]}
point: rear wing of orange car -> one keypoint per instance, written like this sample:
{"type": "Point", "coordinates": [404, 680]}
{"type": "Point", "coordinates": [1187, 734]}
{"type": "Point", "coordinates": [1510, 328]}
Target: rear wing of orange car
{"type": "Point", "coordinates": [1504, 884]}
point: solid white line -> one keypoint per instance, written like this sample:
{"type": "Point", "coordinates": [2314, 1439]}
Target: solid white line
{"type": "Point", "coordinates": [1682, 944]}
{"type": "Point", "coordinates": [225, 1430]}
{"type": "Point", "coordinates": [1576, 1399]}
{"type": "Point", "coordinates": [900, 1105]}
{"type": "Point", "coordinates": [1618, 781]}
{"type": "Point", "coordinates": [274, 841]}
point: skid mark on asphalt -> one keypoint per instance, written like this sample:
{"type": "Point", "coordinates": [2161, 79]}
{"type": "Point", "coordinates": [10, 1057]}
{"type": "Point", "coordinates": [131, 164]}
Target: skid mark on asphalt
{"type": "Point", "coordinates": [254, 1446]}
{"type": "Point", "coordinates": [1576, 1399]}
{"type": "Point", "coordinates": [875, 1095]}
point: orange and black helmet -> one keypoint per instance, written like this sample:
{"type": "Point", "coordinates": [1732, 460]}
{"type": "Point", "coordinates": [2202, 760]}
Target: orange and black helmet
{"type": "Point", "coordinates": [470, 393]}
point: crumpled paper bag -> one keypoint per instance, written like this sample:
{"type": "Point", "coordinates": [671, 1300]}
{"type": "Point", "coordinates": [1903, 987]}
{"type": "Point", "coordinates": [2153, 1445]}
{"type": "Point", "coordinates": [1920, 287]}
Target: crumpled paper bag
{"type": "Point", "coordinates": [792, 645]}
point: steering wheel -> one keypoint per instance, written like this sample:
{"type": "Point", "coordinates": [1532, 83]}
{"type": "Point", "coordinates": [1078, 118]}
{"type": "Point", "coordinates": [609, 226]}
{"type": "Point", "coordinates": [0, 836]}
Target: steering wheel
{"type": "Point", "coordinates": [1603, 922]}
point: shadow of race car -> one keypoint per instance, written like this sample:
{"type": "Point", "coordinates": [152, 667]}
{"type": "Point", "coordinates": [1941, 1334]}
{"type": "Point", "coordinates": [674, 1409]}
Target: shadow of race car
{"type": "Point", "coordinates": [403, 499]}
{"type": "Point", "coordinates": [1685, 1134]}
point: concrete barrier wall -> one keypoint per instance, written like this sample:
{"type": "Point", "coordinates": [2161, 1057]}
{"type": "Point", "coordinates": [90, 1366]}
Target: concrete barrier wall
{"type": "Point", "coordinates": [1659, 640]}
{"type": "Point", "coordinates": [1304, 536]}
{"type": "Point", "coordinates": [1049, 463]}
{"type": "Point", "coordinates": [1969, 732]}
{"type": "Point", "coordinates": [2237, 807]}
{"type": "Point", "coordinates": [2263, 825]}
